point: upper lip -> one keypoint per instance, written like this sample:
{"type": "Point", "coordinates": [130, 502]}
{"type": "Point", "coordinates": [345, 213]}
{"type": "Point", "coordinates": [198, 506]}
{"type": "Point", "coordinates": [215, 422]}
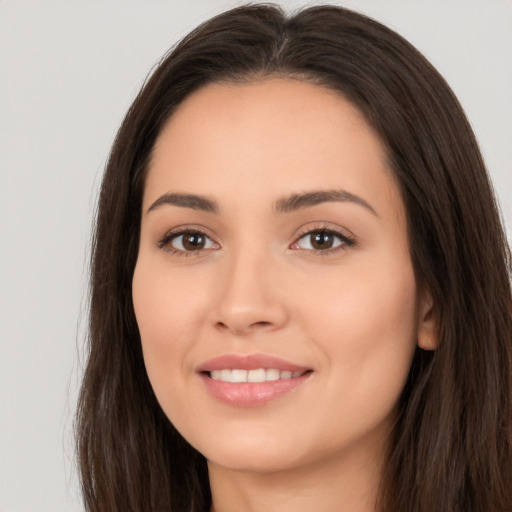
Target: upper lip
{"type": "Point", "coordinates": [249, 362]}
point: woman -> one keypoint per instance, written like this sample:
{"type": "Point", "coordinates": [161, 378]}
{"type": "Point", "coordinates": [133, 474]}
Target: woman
{"type": "Point", "coordinates": [300, 285]}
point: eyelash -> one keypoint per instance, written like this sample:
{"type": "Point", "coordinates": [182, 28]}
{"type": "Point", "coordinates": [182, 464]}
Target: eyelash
{"type": "Point", "coordinates": [346, 241]}
{"type": "Point", "coordinates": [165, 243]}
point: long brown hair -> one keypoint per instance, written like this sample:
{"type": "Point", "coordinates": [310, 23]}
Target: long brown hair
{"type": "Point", "coordinates": [452, 446]}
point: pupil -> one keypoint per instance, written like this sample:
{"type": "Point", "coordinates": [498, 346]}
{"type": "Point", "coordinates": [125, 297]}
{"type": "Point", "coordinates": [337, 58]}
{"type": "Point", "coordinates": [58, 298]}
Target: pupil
{"type": "Point", "coordinates": [322, 240]}
{"type": "Point", "coordinates": [193, 241]}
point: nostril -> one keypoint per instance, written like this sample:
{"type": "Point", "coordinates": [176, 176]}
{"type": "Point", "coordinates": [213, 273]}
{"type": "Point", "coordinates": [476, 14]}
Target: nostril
{"type": "Point", "coordinates": [261, 324]}
{"type": "Point", "coordinates": [243, 328]}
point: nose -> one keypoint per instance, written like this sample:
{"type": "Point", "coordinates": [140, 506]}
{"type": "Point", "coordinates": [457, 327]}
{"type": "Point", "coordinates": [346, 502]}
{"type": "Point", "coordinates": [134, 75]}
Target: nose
{"type": "Point", "coordinates": [251, 297]}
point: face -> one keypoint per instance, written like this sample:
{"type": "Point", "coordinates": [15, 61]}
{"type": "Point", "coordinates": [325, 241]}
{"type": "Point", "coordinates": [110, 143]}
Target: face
{"type": "Point", "coordinates": [274, 290]}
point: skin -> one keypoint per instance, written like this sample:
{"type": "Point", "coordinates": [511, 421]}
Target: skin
{"type": "Point", "coordinates": [351, 313]}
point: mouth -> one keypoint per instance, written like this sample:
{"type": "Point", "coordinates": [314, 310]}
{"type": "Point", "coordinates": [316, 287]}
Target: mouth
{"type": "Point", "coordinates": [249, 381]}
{"type": "Point", "coordinates": [257, 375]}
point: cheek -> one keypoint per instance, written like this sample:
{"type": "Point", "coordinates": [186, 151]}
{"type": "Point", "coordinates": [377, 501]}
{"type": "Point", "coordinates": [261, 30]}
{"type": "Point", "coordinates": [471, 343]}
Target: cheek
{"type": "Point", "coordinates": [368, 303]}
{"type": "Point", "coordinates": [168, 314]}
{"type": "Point", "coordinates": [365, 324]}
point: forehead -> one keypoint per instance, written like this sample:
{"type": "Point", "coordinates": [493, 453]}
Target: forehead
{"type": "Point", "coordinates": [273, 136]}
{"type": "Point", "coordinates": [290, 109]}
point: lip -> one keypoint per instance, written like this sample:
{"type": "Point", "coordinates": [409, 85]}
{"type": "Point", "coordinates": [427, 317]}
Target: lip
{"type": "Point", "coordinates": [249, 362]}
{"type": "Point", "coordinates": [251, 394]}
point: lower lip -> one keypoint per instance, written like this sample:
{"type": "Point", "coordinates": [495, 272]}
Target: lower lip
{"type": "Point", "coordinates": [251, 394]}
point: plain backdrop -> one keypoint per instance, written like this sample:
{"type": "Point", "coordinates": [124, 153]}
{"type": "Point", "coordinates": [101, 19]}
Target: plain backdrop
{"type": "Point", "coordinates": [68, 72]}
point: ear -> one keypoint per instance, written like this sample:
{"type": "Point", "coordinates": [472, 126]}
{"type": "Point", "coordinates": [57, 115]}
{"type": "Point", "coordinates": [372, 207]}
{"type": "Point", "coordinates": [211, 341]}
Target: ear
{"type": "Point", "coordinates": [427, 328]}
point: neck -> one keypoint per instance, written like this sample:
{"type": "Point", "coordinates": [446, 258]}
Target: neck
{"type": "Point", "coordinates": [344, 484]}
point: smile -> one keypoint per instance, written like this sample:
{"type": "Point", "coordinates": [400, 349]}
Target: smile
{"type": "Point", "coordinates": [251, 380]}
{"type": "Point", "coordinates": [258, 375]}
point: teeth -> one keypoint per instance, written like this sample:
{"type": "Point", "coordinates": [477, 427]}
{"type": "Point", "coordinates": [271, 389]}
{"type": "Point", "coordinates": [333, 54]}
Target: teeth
{"type": "Point", "coordinates": [272, 375]}
{"type": "Point", "coordinates": [259, 375]}
{"type": "Point", "coordinates": [238, 375]}
{"type": "Point", "coordinates": [256, 375]}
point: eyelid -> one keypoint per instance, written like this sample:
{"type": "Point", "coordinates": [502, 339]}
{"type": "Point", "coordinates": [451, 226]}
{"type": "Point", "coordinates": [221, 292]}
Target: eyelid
{"type": "Point", "coordinates": [164, 242]}
{"type": "Point", "coordinates": [347, 239]}
{"type": "Point", "coordinates": [344, 235]}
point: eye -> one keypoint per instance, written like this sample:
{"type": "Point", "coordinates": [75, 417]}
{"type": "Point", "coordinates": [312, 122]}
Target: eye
{"type": "Point", "coordinates": [322, 240]}
{"type": "Point", "coordinates": [187, 241]}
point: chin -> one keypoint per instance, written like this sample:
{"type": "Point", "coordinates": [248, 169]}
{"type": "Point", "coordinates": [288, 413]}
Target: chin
{"type": "Point", "coordinates": [260, 463]}
{"type": "Point", "coordinates": [251, 453]}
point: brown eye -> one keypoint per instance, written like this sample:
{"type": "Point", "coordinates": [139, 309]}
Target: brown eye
{"type": "Point", "coordinates": [322, 240]}
{"type": "Point", "coordinates": [191, 241]}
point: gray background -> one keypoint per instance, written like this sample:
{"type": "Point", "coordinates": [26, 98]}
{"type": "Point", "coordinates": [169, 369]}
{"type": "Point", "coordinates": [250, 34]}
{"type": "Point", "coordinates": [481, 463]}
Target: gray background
{"type": "Point", "coordinates": [68, 71]}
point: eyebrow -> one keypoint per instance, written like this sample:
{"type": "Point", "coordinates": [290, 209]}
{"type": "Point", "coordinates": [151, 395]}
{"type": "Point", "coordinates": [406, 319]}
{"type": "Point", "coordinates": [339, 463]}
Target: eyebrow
{"type": "Point", "coordinates": [186, 201]}
{"type": "Point", "coordinates": [313, 198]}
{"type": "Point", "coordinates": [287, 204]}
